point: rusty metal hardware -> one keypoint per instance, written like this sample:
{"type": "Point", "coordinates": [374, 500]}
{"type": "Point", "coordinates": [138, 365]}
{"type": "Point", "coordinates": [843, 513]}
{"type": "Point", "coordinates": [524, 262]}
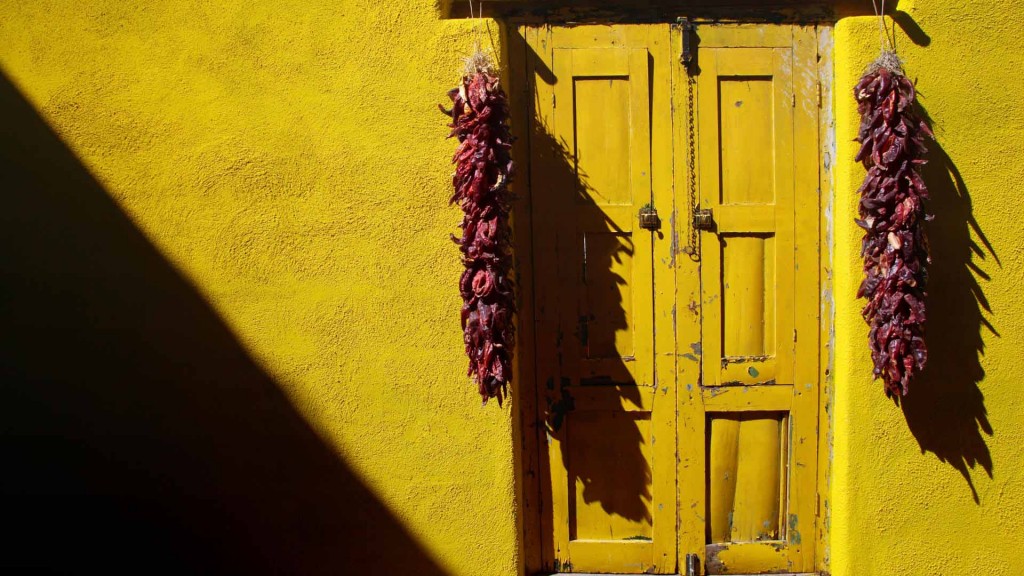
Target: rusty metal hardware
{"type": "Point", "coordinates": [687, 31]}
{"type": "Point", "coordinates": [649, 218]}
{"type": "Point", "coordinates": [692, 565]}
{"type": "Point", "coordinates": [702, 220]}
{"type": "Point", "coordinates": [687, 27]}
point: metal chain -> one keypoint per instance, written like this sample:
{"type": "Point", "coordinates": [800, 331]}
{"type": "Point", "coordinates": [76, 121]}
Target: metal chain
{"type": "Point", "coordinates": [693, 249]}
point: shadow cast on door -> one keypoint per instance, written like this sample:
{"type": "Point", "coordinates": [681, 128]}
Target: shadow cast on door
{"type": "Point", "coordinates": [627, 493]}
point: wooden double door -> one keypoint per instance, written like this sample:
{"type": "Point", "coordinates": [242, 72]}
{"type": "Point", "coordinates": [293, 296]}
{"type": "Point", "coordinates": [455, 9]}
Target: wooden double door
{"type": "Point", "coordinates": [677, 363]}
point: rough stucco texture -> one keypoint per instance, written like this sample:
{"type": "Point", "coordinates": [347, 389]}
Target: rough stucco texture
{"type": "Point", "coordinates": [289, 159]}
{"type": "Point", "coordinates": [937, 486]}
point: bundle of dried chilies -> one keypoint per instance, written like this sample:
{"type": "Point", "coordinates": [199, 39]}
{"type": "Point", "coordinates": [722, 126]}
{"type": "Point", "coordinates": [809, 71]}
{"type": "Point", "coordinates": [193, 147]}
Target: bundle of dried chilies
{"type": "Point", "coordinates": [483, 168]}
{"type": "Point", "coordinates": [895, 248]}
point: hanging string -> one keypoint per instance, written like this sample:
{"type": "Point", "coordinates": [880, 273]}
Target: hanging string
{"type": "Point", "coordinates": [478, 61]}
{"type": "Point", "coordinates": [887, 47]}
{"type": "Point", "coordinates": [477, 19]}
{"type": "Point", "coordinates": [879, 14]}
{"type": "Point", "coordinates": [490, 35]}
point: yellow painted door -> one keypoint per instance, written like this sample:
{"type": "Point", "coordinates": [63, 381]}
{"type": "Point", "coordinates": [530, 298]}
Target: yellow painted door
{"type": "Point", "coordinates": [677, 395]}
{"type": "Point", "coordinates": [607, 406]}
{"type": "Point", "coordinates": [749, 446]}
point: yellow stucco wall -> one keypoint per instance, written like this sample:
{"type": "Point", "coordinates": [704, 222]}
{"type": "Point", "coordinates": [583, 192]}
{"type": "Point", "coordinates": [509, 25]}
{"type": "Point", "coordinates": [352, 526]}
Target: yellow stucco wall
{"type": "Point", "coordinates": [901, 499]}
{"type": "Point", "coordinates": [287, 160]}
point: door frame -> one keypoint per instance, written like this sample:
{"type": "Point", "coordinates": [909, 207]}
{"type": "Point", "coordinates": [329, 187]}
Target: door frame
{"type": "Point", "coordinates": [527, 427]}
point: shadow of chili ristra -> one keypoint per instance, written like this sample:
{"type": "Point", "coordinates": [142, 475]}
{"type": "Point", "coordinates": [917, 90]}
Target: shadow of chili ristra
{"type": "Point", "coordinates": [945, 409]}
{"type": "Point", "coordinates": [616, 476]}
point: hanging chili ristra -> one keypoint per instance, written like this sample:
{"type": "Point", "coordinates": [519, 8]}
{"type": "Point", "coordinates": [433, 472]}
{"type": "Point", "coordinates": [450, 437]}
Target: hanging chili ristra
{"type": "Point", "coordinates": [894, 248]}
{"type": "Point", "coordinates": [483, 168]}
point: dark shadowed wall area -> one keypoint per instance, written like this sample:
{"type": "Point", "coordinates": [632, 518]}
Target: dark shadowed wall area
{"type": "Point", "coordinates": [139, 436]}
{"type": "Point", "coordinates": [228, 297]}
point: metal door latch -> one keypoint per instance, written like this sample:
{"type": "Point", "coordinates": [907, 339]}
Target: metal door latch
{"type": "Point", "coordinates": [649, 218]}
{"type": "Point", "coordinates": [687, 27]}
{"type": "Point", "coordinates": [702, 220]}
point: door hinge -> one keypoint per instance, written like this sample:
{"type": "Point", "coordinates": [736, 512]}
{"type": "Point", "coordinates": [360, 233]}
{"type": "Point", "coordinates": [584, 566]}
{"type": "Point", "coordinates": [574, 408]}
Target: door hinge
{"type": "Point", "coordinates": [819, 94]}
{"type": "Point", "coordinates": [552, 100]}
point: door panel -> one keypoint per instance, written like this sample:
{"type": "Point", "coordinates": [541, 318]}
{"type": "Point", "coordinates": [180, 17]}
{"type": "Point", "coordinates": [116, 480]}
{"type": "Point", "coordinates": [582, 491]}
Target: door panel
{"type": "Point", "coordinates": [746, 179]}
{"type": "Point", "coordinates": [610, 483]}
{"type": "Point", "coordinates": [678, 395]}
{"type": "Point", "coordinates": [758, 404]}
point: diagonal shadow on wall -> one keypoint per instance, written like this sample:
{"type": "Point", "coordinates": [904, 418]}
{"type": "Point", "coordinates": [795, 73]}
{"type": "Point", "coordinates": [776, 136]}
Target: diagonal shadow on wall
{"type": "Point", "coordinates": [138, 435]}
{"type": "Point", "coordinates": [945, 408]}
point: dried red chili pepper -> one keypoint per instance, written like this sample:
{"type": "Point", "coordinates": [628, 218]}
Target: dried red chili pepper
{"type": "Point", "coordinates": [894, 248]}
{"type": "Point", "coordinates": [483, 169]}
